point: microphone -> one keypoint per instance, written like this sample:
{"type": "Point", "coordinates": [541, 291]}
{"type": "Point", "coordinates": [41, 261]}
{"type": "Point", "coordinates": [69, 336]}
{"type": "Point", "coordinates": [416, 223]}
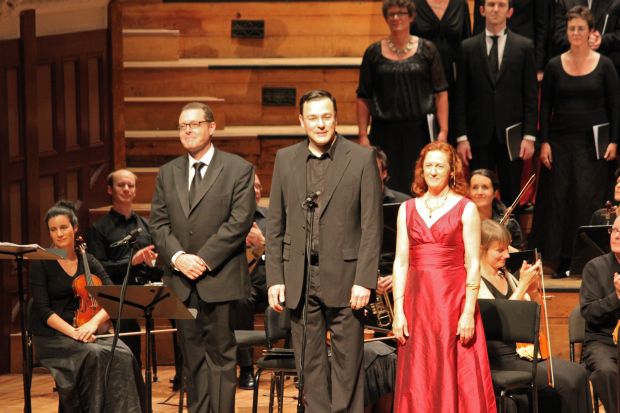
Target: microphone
{"type": "Point", "coordinates": [309, 202]}
{"type": "Point", "coordinates": [132, 235]}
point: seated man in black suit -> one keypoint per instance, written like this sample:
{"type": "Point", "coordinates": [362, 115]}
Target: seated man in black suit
{"type": "Point", "coordinates": [390, 196]}
{"type": "Point", "coordinates": [600, 306]}
{"type": "Point", "coordinates": [245, 308]}
{"type": "Point", "coordinates": [496, 89]}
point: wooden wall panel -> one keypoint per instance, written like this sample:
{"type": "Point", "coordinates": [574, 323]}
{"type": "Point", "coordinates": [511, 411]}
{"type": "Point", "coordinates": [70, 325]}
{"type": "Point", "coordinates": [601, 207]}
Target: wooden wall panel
{"type": "Point", "coordinates": [70, 104]}
{"type": "Point", "coordinates": [94, 102]}
{"type": "Point", "coordinates": [13, 100]}
{"type": "Point", "coordinates": [45, 110]}
{"type": "Point", "coordinates": [47, 198]}
{"type": "Point", "coordinates": [15, 210]}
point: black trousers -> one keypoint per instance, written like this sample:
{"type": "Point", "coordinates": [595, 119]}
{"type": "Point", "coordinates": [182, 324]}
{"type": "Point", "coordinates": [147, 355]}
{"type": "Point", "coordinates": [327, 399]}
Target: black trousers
{"type": "Point", "coordinates": [347, 347]}
{"type": "Point", "coordinates": [208, 346]}
{"type": "Point", "coordinates": [601, 358]}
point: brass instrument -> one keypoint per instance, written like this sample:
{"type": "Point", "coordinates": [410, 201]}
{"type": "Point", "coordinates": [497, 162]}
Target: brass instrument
{"type": "Point", "coordinates": [382, 309]}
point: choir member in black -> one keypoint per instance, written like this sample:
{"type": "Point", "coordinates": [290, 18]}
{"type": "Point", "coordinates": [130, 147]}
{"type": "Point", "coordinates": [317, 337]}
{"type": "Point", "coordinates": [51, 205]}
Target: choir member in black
{"type": "Point", "coordinates": [484, 191]}
{"type": "Point", "coordinates": [496, 89]}
{"type": "Point", "coordinates": [580, 90]}
{"type": "Point", "coordinates": [118, 222]}
{"type": "Point", "coordinates": [245, 308]}
{"type": "Point", "coordinates": [607, 214]}
{"type": "Point", "coordinates": [530, 18]}
{"type": "Point", "coordinates": [390, 196]}
{"type": "Point", "coordinates": [600, 306]}
{"type": "Point", "coordinates": [605, 34]}
{"type": "Point", "coordinates": [401, 83]}
{"type": "Point", "coordinates": [570, 379]}
{"type": "Point", "coordinates": [76, 358]}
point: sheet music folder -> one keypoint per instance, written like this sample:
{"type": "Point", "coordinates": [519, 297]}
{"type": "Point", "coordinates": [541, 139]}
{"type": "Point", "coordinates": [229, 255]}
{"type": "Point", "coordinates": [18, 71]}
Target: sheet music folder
{"type": "Point", "coordinates": [514, 135]}
{"type": "Point", "coordinates": [162, 300]}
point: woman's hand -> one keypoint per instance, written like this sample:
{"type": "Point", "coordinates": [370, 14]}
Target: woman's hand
{"type": "Point", "coordinates": [399, 328]}
{"type": "Point", "coordinates": [545, 155]}
{"type": "Point", "coordinates": [610, 153]}
{"type": "Point", "coordinates": [530, 276]}
{"type": "Point", "coordinates": [466, 327]}
{"type": "Point", "coordinates": [86, 332]}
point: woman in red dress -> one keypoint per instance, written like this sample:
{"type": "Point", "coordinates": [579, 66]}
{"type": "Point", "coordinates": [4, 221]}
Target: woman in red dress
{"type": "Point", "coordinates": [442, 355]}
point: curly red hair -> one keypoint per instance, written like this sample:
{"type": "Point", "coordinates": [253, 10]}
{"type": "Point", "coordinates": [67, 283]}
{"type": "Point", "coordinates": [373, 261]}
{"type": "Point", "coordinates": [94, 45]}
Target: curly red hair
{"type": "Point", "coordinates": [457, 181]}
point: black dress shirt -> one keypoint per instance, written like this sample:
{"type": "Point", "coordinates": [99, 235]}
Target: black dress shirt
{"type": "Point", "coordinates": [317, 169]}
{"type": "Point", "coordinates": [111, 228]}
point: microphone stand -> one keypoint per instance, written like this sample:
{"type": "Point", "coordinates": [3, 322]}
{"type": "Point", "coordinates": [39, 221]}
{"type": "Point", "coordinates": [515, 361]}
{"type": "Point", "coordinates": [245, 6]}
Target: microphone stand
{"type": "Point", "coordinates": [310, 205]}
{"type": "Point", "coordinates": [117, 328]}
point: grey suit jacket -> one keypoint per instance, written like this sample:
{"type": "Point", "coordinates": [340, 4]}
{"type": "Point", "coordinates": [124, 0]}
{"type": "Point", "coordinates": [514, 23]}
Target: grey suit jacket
{"type": "Point", "coordinates": [214, 229]}
{"type": "Point", "coordinates": [351, 223]}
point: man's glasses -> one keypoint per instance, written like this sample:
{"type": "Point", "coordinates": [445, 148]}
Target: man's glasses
{"type": "Point", "coordinates": [192, 125]}
{"type": "Point", "coordinates": [613, 231]}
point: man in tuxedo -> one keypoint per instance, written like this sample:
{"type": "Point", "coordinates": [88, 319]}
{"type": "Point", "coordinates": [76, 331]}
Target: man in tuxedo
{"type": "Point", "coordinates": [496, 89]}
{"type": "Point", "coordinates": [202, 210]}
{"type": "Point", "coordinates": [599, 298]}
{"type": "Point", "coordinates": [342, 178]}
{"type": "Point", "coordinates": [605, 37]}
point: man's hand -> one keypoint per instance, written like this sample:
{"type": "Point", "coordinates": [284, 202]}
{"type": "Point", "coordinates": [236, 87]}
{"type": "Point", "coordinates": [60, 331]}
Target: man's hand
{"type": "Point", "coordinates": [255, 237]}
{"type": "Point", "coordinates": [192, 266]}
{"type": "Point", "coordinates": [146, 255]}
{"type": "Point", "coordinates": [610, 153]}
{"type": "Point", "coordinates": [359, 297]}
{"type": "Point", "coordinates": [527, 149]}
{"type": "Point", "coordinates": [594, 41]}
{"type": "Point", "coordinates": [384, 284]}
{"type": "Point", "coordinates": [464, 151]}
{"type": "Point", "coordinates": [276, 297]}
{"type": "Point", "coordinates": [545, 155]}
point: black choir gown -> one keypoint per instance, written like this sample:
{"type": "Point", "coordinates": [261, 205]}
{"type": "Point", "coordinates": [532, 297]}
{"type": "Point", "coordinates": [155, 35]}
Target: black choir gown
{"type": "Point", "coordinates": [79, 368]}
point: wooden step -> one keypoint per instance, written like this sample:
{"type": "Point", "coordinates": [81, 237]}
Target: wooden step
{"type": "Point", "coordinates": [162, 113]}
{"type": "Point", "coordinates": [150, 44]}
{"type": "Point", "coordinates": [334, 28]}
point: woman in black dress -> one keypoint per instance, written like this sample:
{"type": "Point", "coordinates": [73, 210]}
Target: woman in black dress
{"type": "Point", "coordinates": [74, 355]}
{"type": "Point", "coordinates": [402, 87]}
{"type": "Point", "coordinates": [570, 379]}
{"type": "Point", "coordinates": [580, 90]}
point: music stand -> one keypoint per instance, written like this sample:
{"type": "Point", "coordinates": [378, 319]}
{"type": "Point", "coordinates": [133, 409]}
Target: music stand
{"type": "Point", "coordinates": [591, 242]}
{"type": "Point", "coordinates": [143, 301]}
{"type": "Point", "coordinates": [513, 264]}
{"type": "Point", "coordinates": [10, 251]}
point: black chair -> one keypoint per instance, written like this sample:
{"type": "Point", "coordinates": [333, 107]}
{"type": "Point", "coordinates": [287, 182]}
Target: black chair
{"type": "Point", "coordinates": [512, 321]}
{"type": "Point", "coordinates": [280, 362]}
{"type": "Point", "coordinates": [576, 334]}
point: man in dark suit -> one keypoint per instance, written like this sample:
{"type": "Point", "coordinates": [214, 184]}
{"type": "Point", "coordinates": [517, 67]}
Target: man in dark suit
{"type": "Point", "coordinates": [344, 251]}
{"type": "Point", "coordinates": [202, 210]}
{"type": "Point", "coordinates": [605, 37]}
{"type": "Point", "coordinates": [496, 89]}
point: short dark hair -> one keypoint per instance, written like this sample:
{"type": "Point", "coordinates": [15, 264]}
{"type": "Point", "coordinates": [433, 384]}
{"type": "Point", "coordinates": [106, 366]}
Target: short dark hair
{"type": "Point", "coordinates": [314, 95]}
{"type": "Point", "coordinates": [380, 156]}
{"type": "Point", "coordinates": [208, 112]}
{"type": "Point", "coordinates": [65, 208]}
{"type": "Point", "coordinates": [581, 12]}
{"type": "Point", "coordinates": [408, 4]}
{"type": "Point", "coordinates": [489, 174]}
{"type": "Point", "coordinates": [510, 3]}
{"type": "Point", "coordinates": [110, 177]}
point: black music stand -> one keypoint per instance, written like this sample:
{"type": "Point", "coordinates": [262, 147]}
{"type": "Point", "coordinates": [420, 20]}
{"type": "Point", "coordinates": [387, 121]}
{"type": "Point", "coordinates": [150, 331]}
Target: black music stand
{"type": "Point", "coordinates": [591, 242]}
{"type": "Point", "coordinates": [148, 302]}
{"type": "Point", "coordinates": [10, 251]}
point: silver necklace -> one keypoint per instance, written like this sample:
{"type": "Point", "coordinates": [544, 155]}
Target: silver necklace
{"type": "Point", "coordinates": [438, 204]}
{"type": "Point", "coordinates": [404, 50]}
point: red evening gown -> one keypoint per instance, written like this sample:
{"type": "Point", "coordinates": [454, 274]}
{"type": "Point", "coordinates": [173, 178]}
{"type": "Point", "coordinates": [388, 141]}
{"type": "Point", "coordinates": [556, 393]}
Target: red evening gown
{"type": "Point", "coordinates": [435, 372]}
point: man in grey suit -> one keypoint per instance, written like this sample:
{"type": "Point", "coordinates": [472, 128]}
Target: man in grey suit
{"type": "Point", "coordinates": [344, 251]}
{"type": "Point", "coordinates": [202, 209]}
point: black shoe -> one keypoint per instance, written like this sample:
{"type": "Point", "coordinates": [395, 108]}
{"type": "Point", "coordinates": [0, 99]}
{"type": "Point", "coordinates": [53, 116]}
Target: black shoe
{"type": "Point", "coordinates": [176, 383]}
{"type": "Point", "coordinates": [246, 378]}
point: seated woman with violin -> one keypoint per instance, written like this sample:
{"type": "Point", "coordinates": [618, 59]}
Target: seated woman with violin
{"type": "Point", "coordinates": [607, 214]}
{"type": "Point", "coordinates": [569, 381]}
{"type": "Point", "coordinates": [70, 350]}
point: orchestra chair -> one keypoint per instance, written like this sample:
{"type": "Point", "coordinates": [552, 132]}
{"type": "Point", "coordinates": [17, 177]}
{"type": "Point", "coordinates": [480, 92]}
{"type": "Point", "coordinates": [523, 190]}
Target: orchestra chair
{"type": "Point", "coordinates": [279, 363]}
{"type": "Point", "coordinates": [576, 334]}
{"type": "Point", "coordinates": [512, 321]}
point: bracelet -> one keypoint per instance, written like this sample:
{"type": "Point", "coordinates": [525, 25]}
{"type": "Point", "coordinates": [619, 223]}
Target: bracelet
{"type": "Point", "coordinates": [398, 298]}
{"type": "Point", "coordinates": [473, 286]}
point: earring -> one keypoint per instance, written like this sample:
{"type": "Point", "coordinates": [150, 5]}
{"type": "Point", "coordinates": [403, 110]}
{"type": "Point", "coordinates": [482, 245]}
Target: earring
{"type": "Point", "coordinates": [453, 176]}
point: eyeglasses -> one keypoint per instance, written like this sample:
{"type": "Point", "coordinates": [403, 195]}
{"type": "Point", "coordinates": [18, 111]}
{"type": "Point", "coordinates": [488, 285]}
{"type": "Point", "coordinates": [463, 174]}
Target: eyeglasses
{"type": "Point", "coordinates": [192, 125]}
{"type": "Point", "coordinates": [398, 14]}
{"type": "Point", "coordinates": [613, 231]}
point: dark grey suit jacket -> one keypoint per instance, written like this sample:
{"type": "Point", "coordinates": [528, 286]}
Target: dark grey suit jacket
{"type": "Point", "coordinates": [214, 229]}
{"type": "Point", "coordinates": [484, 108]}
{"type": "Point", "coordinates": [351, 223]}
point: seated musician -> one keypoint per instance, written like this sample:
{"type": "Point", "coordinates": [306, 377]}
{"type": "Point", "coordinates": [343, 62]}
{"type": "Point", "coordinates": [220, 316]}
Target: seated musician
{"type": "Point", "coordinates": [245, 308]}
{"type": "Point", "coordinates": [118, 222]}
{"type": "Point", "coordinates": [76, 358]}
{"type": "Point", "coordinates": [390, 196]}
{"type": "Point", "coordinates": [600, 306]}
{"type": "Point", "coordinates": [483, 190]}
{"type": "Point", "coordinates": [571, 379]}
{"type": "Point", "coordinates": [607, 215]}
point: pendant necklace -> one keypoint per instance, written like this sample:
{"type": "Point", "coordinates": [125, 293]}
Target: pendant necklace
{"type": "Point", "coordinates": [437, 205]}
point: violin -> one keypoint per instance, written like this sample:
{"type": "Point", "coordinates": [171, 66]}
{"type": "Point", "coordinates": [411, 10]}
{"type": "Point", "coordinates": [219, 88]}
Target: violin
{"type": "Point", "coordinates": [88, 306]}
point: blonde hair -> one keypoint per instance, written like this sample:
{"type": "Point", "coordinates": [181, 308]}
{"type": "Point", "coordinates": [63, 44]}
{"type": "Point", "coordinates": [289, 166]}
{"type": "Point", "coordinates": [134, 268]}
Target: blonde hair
{"type": "Point", "coordinates": [493, 232]}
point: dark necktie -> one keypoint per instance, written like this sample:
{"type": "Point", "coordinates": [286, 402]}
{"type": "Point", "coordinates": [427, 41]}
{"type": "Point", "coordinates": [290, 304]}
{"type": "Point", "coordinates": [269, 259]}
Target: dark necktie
{"type": "Point", "coordinates": [494, 57]}
{"type": "Point", "coordinates": [195, 182]}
